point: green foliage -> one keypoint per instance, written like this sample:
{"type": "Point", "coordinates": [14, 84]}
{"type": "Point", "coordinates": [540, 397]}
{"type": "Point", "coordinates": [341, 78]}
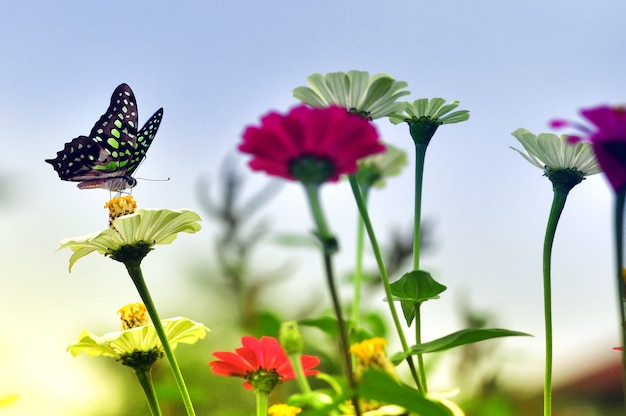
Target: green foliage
{"type": "Point", "coordinates": [458, 338]}
{"type": "Point", "coordinates": [414, 288]}
{"type": "Point", "coordinates": [381, 387]}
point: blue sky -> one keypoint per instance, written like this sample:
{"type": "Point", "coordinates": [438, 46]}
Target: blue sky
{"type": "Point", "coordinates": [218, 66]}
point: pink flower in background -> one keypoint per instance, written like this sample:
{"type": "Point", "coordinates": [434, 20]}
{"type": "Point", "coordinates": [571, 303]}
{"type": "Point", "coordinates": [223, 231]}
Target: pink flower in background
{"type": "Point", "coordinates": [608, 138]}
{"type": "Point", "coordinates": [311, 145]}
{"type": "Point", "coordinates": [261, 362]}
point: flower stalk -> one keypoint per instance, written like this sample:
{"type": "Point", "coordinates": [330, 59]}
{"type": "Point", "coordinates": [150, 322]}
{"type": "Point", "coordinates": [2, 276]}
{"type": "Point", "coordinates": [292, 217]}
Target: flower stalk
{"type": "Point", "coordinates": [558, 203]}
{"type": "Point", "coordinates": [134, 270]}
{"type": "Point", "coordinates": [420, 157]}
{"type": "Point", "coordinates": [360, 201]}
{"type": "Point", "coordinates": [329, 247]}
{"type": "Point", "coordinates": [145, 379]}
{"type": "Point", "coordinates": [261, 402]}
{"type": "Point", "coordinates": [620, 196]}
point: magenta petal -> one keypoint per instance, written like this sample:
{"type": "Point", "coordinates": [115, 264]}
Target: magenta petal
{"type": "Point", "coordinates": [331, 133]}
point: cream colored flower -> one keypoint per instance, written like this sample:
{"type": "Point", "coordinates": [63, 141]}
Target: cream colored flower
{"type": "Point", "coordinates": [435, 110]}
{"type": "Point", "coordinates": [551, 152]}
{"type": "Point", "coordinates": [372, 97]}
{"type": "Point", "coordinates": [141, 338]}
{"type": "Point", "coordinates": [144, 228]}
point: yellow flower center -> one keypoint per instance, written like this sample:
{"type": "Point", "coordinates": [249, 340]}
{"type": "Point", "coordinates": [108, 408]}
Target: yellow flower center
{"type": "Point", "coordinates": [371, 354]}
{"type": "Point", "coordinates": [368, 349]}
{"type": "Point", "coordinates": [133, 315]}
{"type": "Point", "coordinates": [119, 206]}
{"type": "Point", "coordinates": [283, 410]}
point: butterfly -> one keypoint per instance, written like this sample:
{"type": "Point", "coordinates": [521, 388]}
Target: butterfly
{"type": "Point", "coordinates": [114, 149]}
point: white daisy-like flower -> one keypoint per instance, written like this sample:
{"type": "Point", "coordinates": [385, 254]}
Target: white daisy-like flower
{"type": "Point", "coordinates": [434, 110]}
{"type": "Point", "coordinates": [142, 229]}
{"type": "Point", "coordinates": [552, 153]}
{"type": "Point", "coordinates": [371, 97]}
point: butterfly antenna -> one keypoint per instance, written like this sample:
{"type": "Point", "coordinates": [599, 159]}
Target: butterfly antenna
{"type": "Point", "coordinates": [154, 180]}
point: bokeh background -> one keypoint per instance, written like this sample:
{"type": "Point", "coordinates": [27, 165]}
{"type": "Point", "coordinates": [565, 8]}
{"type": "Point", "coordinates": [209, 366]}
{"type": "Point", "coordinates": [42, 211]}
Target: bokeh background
{"type": "Point", "coordinates": [218, 66]}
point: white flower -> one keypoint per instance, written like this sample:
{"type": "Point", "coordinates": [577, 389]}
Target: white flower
{"type": "Point", "coordinates": [372, 97]}
{"type": "Point", "coordinates": [551, 152]}
{"type": "Point", "coordinates": [434, 110]}
{"type": "Point", "coordinates": [148, 227]}
{"type": "Point", "coordinates": [141, 338]}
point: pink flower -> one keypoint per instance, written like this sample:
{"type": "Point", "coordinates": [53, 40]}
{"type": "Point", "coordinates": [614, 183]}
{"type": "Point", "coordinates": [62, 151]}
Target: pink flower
{"type": "Point", "coordinates": [608, 140]}
{"type": "Point", "coordinates": [262, 363]}
{"type": "Point", "coordinates": [311, 145]}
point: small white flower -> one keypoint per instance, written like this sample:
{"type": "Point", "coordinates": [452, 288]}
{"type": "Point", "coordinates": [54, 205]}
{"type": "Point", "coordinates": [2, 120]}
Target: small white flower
{"type": "Point", "coordinates": [551, 152]}
{"type": "Point", "coordinates": [434, 110]}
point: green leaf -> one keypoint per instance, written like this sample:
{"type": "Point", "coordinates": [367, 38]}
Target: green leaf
{"type": "Point", "coordinates": [416, 286]}
{"type": "Point", "coordinates": [326, 324]}
{"type": "Point", "coordinates": [381, 387]}
{"type": "Point", "coordinates": [462, 337]}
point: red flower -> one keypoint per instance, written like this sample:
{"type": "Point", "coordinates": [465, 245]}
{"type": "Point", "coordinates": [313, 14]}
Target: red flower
{"type": "Point", "coordinates": [262, 363]}
{"type": "Point", "coordinates": [608, 140]}
{"type": "Point", "coordinates": [311, 145]}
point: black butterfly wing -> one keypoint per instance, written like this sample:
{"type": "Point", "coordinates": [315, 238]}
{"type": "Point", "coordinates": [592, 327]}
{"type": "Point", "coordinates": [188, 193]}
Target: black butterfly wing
{"type": "Point", "coordinates": [113, 150]}
{"type": "Point", "coordinates": [143, 141]}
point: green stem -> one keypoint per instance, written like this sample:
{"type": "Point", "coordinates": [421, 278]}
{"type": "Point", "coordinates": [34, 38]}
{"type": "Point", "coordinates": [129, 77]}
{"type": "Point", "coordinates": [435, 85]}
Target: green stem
{"type": "Point", "coordinates": [134, 270]}
{"type": "Point", "coordinates": [323, 231]}
{"type": "Point", "coordinates": [343, 333]}
{"type": "Point", "coordinates": [261, 403]}
{"type": "Point", "coordinates": [296, 364]}
{"type": "Point", "coordinates": [329, 247]}
{"type": "Point", "coordinates": [420, 157]}
{"type": "Point", "coordinates": [621, 292]}
{"type": "Point", "coordinates": [360, 201]}
{"type": "Point", "coordinates": [358, 266]}
{"type": "Point", "coordinates": [558, 203]}
{"type": "Point", "coordinates": [145, 379]}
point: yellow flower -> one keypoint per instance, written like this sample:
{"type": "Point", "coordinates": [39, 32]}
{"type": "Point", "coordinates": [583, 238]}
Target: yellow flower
{"type": "Point", "coordinates": [371, 354]}
{"type": "Point", "coordinates": [139, 232]}
{"type": "Point", "coordinates": [133, 315]}
{"type": "Point", "coordinates": [119, 206]}
{"type": "Point", "coordinates": [283, 410]}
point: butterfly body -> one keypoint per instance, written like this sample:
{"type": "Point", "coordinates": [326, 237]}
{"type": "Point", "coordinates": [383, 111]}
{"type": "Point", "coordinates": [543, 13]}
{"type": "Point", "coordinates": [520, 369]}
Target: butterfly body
{"type": "Point", "coordinates": [114, 149]}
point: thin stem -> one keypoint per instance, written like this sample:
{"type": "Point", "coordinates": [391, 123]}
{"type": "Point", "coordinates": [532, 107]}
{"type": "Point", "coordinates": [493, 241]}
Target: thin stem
{"type": "Point", "coordinates": [621, 292]}
{"type": "Point", "coordinates": [360, 201]}
{"type": "Point", "coordinates": [358, 266]}
{"type": "Point", "coordinates": [134, 270]}
{"type": "Point", "coordinates": [323, 231]}
{"type": "Point", "coordinates": [301, 379]}
{"type": "Point", "coordinates": [261, 403]}
{"type": "Point", "coordinates": [145, 379]}
{"type": "Point", "coordinates": [420, 156]}
{"type": "Point", "coordinates": [329, 247]}
{"type": "Point", "coordinates": [343, 333]}
{"type": "Point", "coordinates": [558, 203]}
